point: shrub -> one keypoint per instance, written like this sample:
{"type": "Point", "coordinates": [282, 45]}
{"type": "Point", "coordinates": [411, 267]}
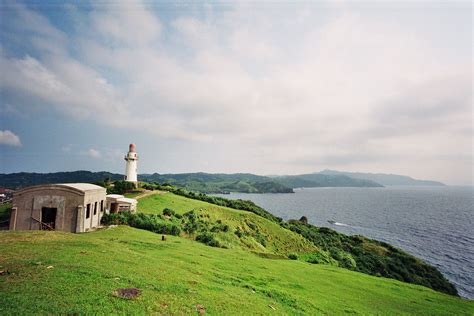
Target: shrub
{"type": "Point", "coordinates": [208, 239]}
{"type": "Point", "coordinates": [168, 212]}
{"type": "Point", "coordinates": [239, 232]}
{"type": "Point", "coordinates": [151, 223]}
{"type": "Point", "coordinates": [293, 256]}
{"type": "Point", "coordinates": [219, 227]}
{"type": "Point", "coordinates": [304, 220]}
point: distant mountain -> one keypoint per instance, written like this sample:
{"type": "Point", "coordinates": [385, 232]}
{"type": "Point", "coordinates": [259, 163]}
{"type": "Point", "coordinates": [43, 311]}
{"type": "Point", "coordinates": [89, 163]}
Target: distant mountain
{"type": "Point", "coordinates": [26, 179]}
{"type": "Point", "coordinates": [220, 182]}
{"type": "Point", "coordinates": [200, 182]}
{"type": "Point", "coordinates": [324, 180]}
{"type": "Point", "coordinates": [384, 179]}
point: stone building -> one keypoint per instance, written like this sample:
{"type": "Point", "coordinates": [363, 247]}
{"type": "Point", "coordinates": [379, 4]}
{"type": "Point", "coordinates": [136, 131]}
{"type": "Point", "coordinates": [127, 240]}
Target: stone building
{"type": "Point", "coordinates": [118, 203]}
{"type": "Point", "coordinates": [69, 207]}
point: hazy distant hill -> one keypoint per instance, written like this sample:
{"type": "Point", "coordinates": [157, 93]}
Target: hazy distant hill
{"type": "Point", "coordinates": [324, 180]}
{"type": "Point", "coordinates": [25, 179]}
{"type": "Point", "coordinates": [200, 182]}
{"type": "Point", "coordinates": [220, 182]}
{"type": "Point", "coordinates": [385, 179]}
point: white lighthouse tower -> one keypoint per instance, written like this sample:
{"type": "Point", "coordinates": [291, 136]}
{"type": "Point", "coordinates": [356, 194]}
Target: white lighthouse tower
{"type": "Point", "coordinates": [131, 168]}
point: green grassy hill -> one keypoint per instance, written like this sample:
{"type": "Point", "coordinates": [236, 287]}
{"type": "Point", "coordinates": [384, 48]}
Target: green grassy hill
{"type": "Point", "coordinates": [62, 273]}
{"type": "Point", "coordinates": [259, 234]}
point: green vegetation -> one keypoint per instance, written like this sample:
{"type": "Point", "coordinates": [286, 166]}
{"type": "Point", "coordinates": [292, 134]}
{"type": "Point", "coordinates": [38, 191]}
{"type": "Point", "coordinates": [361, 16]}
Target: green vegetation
{"type": "Point", "coordinates": [62, 273]}
{"type": "Point", "coordinates": [118, 187]}
{"type": "Point", "coordinates": [196, 182]}
{"type": "Point", "coordinates": [231, 228]}
{"type": "Point", "coordinates": [351, 252]}
{"type": "Point", "coordinates": [235, 204]}
{"type": "Point", "coordinates": [154, 223]}
{"type": "Point", "coordinates": [5, 212]}
{"type": "Point", "coordinates": [220, 256]}
{"type": "Point", "coordinates": [26, 179]}
{"type": "Point", "coordinates": [220, 183]}
{"type": "Point", "coordinates": [371, 257]}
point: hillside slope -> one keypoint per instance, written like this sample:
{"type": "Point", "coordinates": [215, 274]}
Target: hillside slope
{"type": "Point", "coordinates": [315, 180]}
{"type": "Point", "coordinates": [62, 273]}
{"type": "Point", "coordinates": [271, 236]}
{"type": "Point", "coordinates": [257, 233]}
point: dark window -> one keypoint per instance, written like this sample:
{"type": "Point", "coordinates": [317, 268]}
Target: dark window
{"type": "Point", "coordinates": [95, 208]}
{"type": "Point", "coordinates": [88, 211]}
{"type": "Point", "coordinates": [102, 206]}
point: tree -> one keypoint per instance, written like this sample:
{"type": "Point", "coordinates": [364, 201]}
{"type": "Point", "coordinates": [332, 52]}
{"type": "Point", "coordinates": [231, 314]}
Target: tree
{"type": "Point", "coordinates": [304, 220]}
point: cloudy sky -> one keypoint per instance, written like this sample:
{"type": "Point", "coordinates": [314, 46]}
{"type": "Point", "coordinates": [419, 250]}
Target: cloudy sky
{"type": "Point", "coordinates": [264, 87]}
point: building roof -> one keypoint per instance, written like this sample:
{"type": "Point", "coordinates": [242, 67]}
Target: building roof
{"type": "Point", "coordinates": [120, 199]}
{"type": "Point", "coordinates": [77, 187]}
{"type": "Point", "coordinates": [127, 200]}
{"type": "Point", "coordinates": [82, 186]}
{"type": "Point", "coordinates": [115, 196]}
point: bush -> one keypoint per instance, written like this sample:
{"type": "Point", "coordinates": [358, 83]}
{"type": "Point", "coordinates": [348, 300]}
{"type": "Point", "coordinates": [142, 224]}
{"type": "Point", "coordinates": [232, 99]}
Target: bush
{"type": "Point", "coordinates": [208, 239]}
{"type": "Point", "coordinates": [121, 187]}
{"type": "Point", "coordinates": [293, 256]}
{"type": "Point", "coordinates": [304, 219]}
{"type": "Point", "coordinates": [239, 232]}
{"type": "Point", "coordinates": [152, 223]}
{"type": "Point", "coordinates": [168, 212]}
{"type": "Point", "coordinates": [220, 228]}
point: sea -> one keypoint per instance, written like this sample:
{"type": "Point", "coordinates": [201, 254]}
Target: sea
{"type": "Point", "coordinates": [430, 222]}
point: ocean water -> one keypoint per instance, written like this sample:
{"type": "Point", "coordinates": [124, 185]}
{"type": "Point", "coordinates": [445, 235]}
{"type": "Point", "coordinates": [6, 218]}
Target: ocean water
{"type": "Point", "coordinates": [432, 223]}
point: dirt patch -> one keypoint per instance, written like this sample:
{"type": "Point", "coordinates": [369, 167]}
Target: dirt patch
{"type": "Point", "coordinates": [200, 309]}
{"type": "Point", "coordinates": [127, 293]}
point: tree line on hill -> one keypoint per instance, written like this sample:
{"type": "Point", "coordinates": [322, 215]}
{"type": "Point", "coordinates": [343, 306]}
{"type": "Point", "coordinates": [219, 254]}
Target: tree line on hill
{"type": "Point", "coordinates": [220, 182]}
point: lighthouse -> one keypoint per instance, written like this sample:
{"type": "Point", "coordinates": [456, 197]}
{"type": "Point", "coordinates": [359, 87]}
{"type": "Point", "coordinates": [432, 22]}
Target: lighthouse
{"type": "Point", "coordinates": [131, 167]}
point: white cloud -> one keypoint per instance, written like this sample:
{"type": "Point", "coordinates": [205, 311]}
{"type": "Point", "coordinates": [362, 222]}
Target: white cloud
{"type": "Point", "coordinates": [288, 85]}
{"type": "Point", "coordinates": [94, 153]}
{"type": "Point", "coordinates": [8, 138]}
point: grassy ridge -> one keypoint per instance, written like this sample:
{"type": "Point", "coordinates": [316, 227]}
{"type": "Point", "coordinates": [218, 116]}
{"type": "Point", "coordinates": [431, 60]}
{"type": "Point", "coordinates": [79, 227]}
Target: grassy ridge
{"type": "Point", "coordinates": [61, 273]}
{"type": "Point", "coordinates": [320, 245]}
{"type": "Point", "coordinates": [280, 241]}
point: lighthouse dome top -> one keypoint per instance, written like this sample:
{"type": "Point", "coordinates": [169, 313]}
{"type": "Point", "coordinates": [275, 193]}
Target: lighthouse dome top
{"type": "Point", "coordinates": [132, 148]}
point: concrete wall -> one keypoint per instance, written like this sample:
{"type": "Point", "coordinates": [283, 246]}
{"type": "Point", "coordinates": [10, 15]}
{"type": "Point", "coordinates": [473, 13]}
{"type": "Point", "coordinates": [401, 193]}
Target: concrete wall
{"type": "Point", "coordinates": [93, 198]}
{"type": "Point", "coordinates": [29, 203]}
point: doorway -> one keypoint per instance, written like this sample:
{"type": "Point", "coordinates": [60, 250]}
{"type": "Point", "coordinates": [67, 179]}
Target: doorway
{"type": "Point", "coordinates": [114, 208]}
{"type": "Point", "coordinates": [48, 216]}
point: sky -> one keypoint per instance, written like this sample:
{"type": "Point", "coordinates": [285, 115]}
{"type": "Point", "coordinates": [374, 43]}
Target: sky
{"type": "Point", "coordinates": [267, 87]}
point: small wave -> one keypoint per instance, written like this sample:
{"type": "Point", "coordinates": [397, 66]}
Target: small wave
{"type": "Point", "coordinates": [337, 223]}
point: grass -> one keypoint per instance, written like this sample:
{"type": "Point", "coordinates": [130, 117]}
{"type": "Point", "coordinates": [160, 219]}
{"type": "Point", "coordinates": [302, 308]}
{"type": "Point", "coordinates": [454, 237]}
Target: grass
{"type": "Point", "coordinates": [64, 273]}
{"type": "Point", "coordinates": [259, 234]}
{"type": "Point", "coordinates": [177, 275]}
